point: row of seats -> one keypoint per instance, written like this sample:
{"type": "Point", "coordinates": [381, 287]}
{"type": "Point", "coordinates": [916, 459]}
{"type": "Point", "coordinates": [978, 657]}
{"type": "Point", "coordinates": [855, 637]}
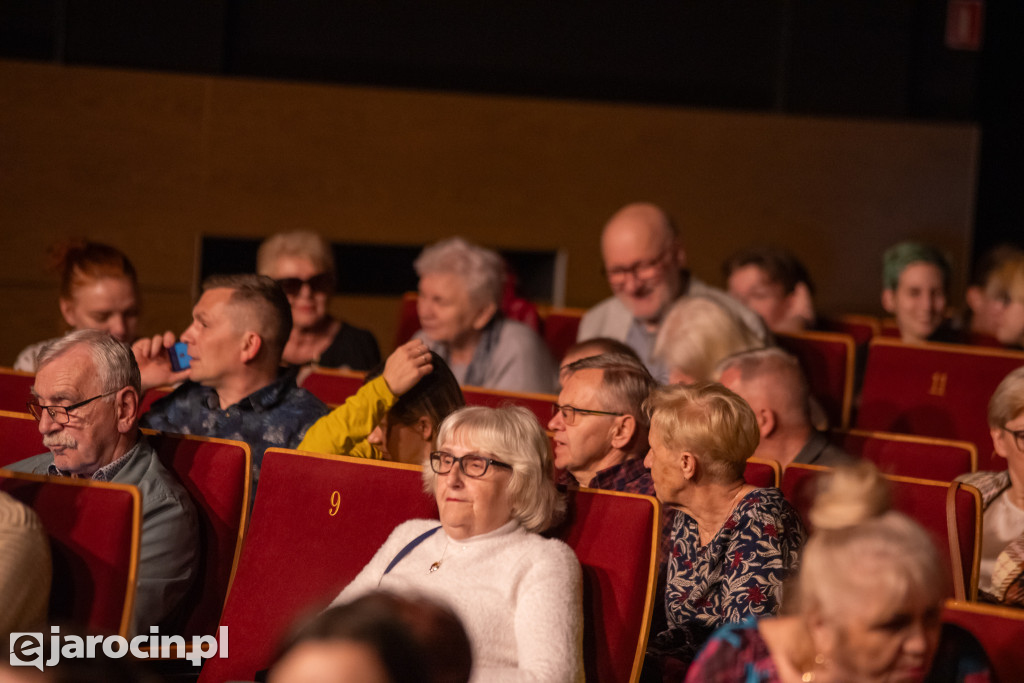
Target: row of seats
{"type": "Point", "coordinates": [318, 519]}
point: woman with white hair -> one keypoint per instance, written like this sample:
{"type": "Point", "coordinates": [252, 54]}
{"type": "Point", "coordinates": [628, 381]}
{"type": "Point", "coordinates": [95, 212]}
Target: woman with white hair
{"type": "Point", "coordinates": [517, 593]}
{"type": "Point", "coordinates": [460, 319]}
{"type": "Point", "coordinates": [868, 602]}
{"type": "Point", "coordinates": [698, 333]}
{"type": "Point", "coordinates": [303, 265]}
{"type": "Point", "coordinates": [1001, 570]}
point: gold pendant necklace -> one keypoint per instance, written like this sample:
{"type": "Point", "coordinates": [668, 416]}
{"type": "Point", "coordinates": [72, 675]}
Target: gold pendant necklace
{"type": "Point", "coordinates": [437, 565]}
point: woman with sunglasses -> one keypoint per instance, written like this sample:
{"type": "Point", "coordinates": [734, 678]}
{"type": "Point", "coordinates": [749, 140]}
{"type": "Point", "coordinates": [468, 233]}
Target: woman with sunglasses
{"type": "Point", "coordinates": [517, 593]}
{"type": "Point", "coordinates": [1001, 571]}
{"type": "Point", "coordinates": [302, 263]}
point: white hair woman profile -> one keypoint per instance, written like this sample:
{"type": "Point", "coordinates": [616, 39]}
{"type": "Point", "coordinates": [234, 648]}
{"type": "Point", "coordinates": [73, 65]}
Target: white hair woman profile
{"type": "Point", "coordinates": [461, 320]}
{"type": "Point", "coordinates": [868, 603]}
{"type": "Point", "coordinates": [517, 593]}
{"type": "Point", "coordinates": [696, 335]}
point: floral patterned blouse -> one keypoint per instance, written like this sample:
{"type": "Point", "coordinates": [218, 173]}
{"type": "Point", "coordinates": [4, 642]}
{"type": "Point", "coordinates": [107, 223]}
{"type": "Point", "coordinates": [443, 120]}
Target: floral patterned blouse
{"type": "Point", "coordinates": [738, 574]}
{"type": "Point", "coordinates": [737, 653]}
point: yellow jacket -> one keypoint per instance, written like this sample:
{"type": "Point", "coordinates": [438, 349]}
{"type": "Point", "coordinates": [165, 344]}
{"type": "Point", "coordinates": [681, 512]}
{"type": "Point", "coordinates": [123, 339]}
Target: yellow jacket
{"type": "Point", "coordinates": [343, 431]}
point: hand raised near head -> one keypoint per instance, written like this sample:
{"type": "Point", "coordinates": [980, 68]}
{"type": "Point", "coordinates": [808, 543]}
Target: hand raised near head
{"type": "Point", "coordinates": [409, 363]}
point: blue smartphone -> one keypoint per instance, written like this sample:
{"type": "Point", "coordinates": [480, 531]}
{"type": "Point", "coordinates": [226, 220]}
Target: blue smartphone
{"type": "Point", "coordinates": [180, 360]}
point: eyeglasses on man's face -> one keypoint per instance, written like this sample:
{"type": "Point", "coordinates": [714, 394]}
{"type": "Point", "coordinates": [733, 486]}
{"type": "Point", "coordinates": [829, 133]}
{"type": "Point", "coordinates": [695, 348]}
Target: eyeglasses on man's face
{"type": "Point", "coordinates": [318, 284]}
{"type": "Point", "coordinates": [471, 464]}
{"type": "Point", "coordinates": [569, 413]}
{"type": "Point", "coordinates": [640, 270]}
{"type": "Point", "coordinates": [62, 414]}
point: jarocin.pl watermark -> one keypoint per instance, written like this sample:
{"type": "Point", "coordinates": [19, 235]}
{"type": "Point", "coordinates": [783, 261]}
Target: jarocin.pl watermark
{"type": "Point", "coordinates": [27, 648]}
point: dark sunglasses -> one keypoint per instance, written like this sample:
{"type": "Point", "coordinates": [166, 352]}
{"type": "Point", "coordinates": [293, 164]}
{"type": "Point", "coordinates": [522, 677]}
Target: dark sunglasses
{"type": "Point", "coordinates": [322, 283]}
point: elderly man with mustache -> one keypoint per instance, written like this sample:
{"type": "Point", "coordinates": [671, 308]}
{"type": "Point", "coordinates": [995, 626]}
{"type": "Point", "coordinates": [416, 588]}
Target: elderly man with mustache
{"type": "Point", "coordinates": [86, 399]}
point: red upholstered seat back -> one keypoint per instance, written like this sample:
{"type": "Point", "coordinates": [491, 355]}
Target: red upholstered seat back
{"type": "Point", "coordinates": [560, 326]}
{"type": "Point", "coordinates": [152, 396]}
{"type": "Point", "coordinates": [19, 434]}
{"type": "Point", "coordinates": [15, 389]}
{"type": "Point", "coordinates": [910, 456]}
{"type": "Point", "coordinates": [333, 386]}
{"type": "Point", "coordinates": [827, 359]}
{"type": "Point", "coordinates": [615, 537]}
{"type": "Point", "coordinates": [316, 522]}
{"type": "Point", "coordinates": [539, 404]}
{"type": "Point", "coordinates": [216, 473]}
{"type": "Point", "coordinates": [937, 390]}
{"type": "Point", "coordinates": [863, 328]}
{"type": "Point", "coordinates": [762, 473]}
{"type": "Point", "coordinates": [408, 319]}
{"type": "Point", "coordinates": [1000, 630]}
{"type": "Point", "coordinates": [926, 502]}
{"type": "Point", "coordinates": [94, 544]}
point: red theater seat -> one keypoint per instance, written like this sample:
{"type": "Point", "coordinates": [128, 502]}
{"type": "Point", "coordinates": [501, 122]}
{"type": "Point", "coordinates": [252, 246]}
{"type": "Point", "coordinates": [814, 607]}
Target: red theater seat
{"type": "Point", "coordinates": [827, 359]}
{"type": "Point", "coordinates": [152, 396]}
{"type": "Point", "coordinates": [763, 473]}
{"type": "Point", "coordinates": [94, 542]}
{"type": "Point", "coordinates": [539, 404]}
{"type": "Point", "coordinates": [863, 328]}
{"type": "Point", "coordinates": [15, 389]}
{"type": "Point", "coordinates": [939, 390]}
{"type": "Point", "coordinates": [217, 474]}
{"type": "Point", "coordinates": [1000, 630]}
{"type": "Point", "coordinates": [615, 537]}
{"type": "Point", "coordinates": [19, 434]}
{"type": "Point", "coordinates": [333, 387]}
{"type": "Point", "coordinates": [560, 326]}
{"type": "Point", "coordinates": [316, 522]}
{"type": "Point", "coordinates": [408, 319]}
{"type": "Point", "coordinates": [910, 456]}
{"type": "Point", "coordinates": [951, 512]}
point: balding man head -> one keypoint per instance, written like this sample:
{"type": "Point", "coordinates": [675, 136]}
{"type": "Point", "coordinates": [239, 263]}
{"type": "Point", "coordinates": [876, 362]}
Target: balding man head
{"type": "Point", "coordinates": [643, 260]}
{"type": "Point", "coordinates": [771, 381]}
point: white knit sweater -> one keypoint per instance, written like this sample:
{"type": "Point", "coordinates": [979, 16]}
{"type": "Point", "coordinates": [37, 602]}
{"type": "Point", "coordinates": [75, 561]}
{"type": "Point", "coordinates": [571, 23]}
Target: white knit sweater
{"type": "Point", "coordinates": [518, 596]}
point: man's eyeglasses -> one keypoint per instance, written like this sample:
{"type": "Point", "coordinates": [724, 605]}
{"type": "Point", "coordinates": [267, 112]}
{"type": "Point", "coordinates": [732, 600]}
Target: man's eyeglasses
{"type": "Point", "coordinates": [641, 270]}
{"type": "Point", "coordinates": [62, 414]}
{"type": "Point", "coordinates": [1018, 437]}
{"type": "Point", "coordinates": [471, 464]}
{"type": "Point", "coordinates": [321, 283]}
{"type": "Point", "coordinates": [569, 413]}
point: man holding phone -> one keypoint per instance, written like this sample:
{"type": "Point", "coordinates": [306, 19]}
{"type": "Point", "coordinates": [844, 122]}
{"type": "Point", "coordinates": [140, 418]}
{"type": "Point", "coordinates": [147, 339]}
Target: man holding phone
{"type": "Point", "coordinates": [235, 387]}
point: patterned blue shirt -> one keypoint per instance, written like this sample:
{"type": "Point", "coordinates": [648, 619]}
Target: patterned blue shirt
{"type": "Point", "coordinates": [276, 416]}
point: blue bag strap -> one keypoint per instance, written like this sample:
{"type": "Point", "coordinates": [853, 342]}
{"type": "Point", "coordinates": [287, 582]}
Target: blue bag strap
{"type": "Point", "coordinates": [409, 547]}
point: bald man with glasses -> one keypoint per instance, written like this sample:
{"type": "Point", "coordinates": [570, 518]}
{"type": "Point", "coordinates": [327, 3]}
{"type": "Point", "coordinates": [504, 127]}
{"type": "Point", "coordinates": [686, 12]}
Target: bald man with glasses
{"type": "Point", "coordinates": [646, 267]}
{"type": "Point", "coordinates": [86, 399]}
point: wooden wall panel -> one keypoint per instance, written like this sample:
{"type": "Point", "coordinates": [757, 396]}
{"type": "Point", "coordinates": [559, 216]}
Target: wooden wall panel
{"type": "Point", "coordinates": [151, 161]}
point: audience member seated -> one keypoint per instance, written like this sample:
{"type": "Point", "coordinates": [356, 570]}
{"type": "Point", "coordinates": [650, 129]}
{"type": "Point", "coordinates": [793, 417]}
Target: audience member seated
{"type": "Point", "coordinates": [396, 414]}
{"type": "Point", "coordinates": [1010, 324]}
{"type": "Point", "coordinates": [378, 638]}
{"type": "Point", "coordinates": [915, 290]}
{"type": "Point", "coordinates": [1001, 572]}
{"type": "Point", "coordinates": [600, 427]}
{"type": "Point", "coordinates": [697, 333]}
{"type": "Point", "coordinates": [868, 600]}
{"type": "Point", "coordinates": [773, 283]}
{"type": "Point", "coordinates": [98, 291]}
{"type": "Point", "coordinates": [86, 399]}
{"type": "Point", "coordinates": [25, 570]}
{"type": "Point", "coordinates": [772, 383]}
{"type": "Point", "coordinates": [594, 347]}
{"type": "Point", "coordinates": [303, 264]}
{"type": "Point", "coordinates": [459, 297]}
{"type": "Point", "coordinates": [987, 294]}
{"type": "Point", "coordinates": [236, 388]}
{"type": "Point", "coordinates": [517, 593]}
{"type": "Point", "coordinates": [646, 267]}
{"type": "Point", "coordinates": [731, 545]}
